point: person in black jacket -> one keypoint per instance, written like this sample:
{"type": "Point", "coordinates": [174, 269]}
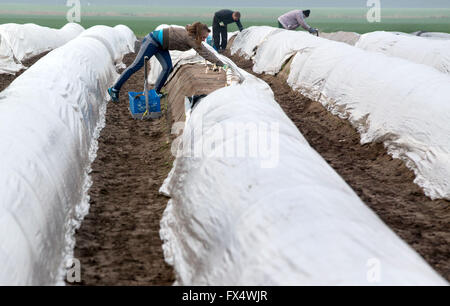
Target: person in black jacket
{"type": "Point", "coordinates": [220, 32]}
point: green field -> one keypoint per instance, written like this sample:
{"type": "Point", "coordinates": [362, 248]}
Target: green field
{"type": "Point", "coordinates": [143, 19]}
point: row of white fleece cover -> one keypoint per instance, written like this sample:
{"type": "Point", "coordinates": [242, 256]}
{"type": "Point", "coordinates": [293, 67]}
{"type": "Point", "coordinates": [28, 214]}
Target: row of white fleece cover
{"type": "Point", "coordinates": [399, 102]}
{"type": "Point", "coordinates": [274, 214]}
{"type": "Point", "coordinates": [50, 118]}
{"type": "Point", "coordinates": [19, 42]}
{"type": "Point", "coordinates": [430, 52]}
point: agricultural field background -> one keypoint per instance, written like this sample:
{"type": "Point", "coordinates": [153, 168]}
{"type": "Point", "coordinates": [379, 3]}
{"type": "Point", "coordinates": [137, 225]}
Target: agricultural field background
{"type": "Point", "coordinates": [143, 19]}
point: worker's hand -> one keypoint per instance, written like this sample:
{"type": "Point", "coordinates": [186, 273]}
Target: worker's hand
{"type": "Point", "coordinates": [313, 31]}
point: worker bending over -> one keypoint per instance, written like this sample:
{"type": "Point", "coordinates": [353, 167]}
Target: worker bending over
{"type": "Point", "coordinates": [293, 19]}
{"type": "Point", "coordinates": [158, 43]}
{"type": "Point", "coordinates": [220, 32]}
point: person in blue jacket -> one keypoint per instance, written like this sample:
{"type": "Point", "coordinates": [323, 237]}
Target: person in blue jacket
{"type": "Point", "coordinates": [158, 43]}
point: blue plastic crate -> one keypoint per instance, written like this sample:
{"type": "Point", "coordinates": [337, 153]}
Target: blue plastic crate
{"type": "Point", "coordinates": [137, 103]}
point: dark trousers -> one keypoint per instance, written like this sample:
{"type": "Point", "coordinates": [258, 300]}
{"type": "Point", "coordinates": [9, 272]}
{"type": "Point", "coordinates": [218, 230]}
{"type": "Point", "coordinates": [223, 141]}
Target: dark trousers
{"type": "Point", "coordinates": [220, 35]}
{"type": "Point", "coordinates": [148, 48]}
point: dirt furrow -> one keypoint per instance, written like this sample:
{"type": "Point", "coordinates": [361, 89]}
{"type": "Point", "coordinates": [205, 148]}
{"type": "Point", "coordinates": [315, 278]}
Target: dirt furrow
{"type": "Point", "coordinates": [118, 242]}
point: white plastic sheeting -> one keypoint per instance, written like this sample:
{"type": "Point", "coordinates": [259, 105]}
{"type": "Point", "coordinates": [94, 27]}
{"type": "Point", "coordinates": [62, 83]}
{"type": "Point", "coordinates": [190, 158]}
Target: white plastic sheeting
{"type": "Point", "coordinates": [50, 118]}
{"type": "Point", "coordinates": [119, 40]}
{"type": "Point", "coordinates": [277, 216]}
{"type": "Point", "coordinates": [279, 47]}
{"type": "Point", "coordinates": [19, 42]}
{"type": "Point", "coordinates": [246, 41]}
{"type": "Point", "coordinates": [232, 34]}
{"type": "Point", "coordinates": [434, 53]}
{"type": "Point", "coordinates": [402, 104]}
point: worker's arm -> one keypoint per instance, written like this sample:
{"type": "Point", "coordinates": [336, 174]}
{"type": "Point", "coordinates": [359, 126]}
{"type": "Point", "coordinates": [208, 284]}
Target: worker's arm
{"type": "Point", "coordinates": [239, 24]}
{"type": "Point", "coordinates": [205, 53]}
{"type": "Point", "coordinates": [301, 21]}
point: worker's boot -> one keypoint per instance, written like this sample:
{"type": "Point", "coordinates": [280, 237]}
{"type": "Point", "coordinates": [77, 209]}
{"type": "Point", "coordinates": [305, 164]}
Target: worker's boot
{"type": "Point", "coordinates": [162, 94]}
{"type": "Point", "coordinates": [114, 94]}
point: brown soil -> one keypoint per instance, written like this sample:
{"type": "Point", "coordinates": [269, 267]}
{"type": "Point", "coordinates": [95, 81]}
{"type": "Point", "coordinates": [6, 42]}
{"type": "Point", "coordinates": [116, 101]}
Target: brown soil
{"type": "Point", "coordinates": [6, 79]}
{"type": "Point", "coordinates": [383, 183]}
{"type": "Point", "coordinates": [118, 242]}
{"type": "Point", "coordinates": [191, 80]}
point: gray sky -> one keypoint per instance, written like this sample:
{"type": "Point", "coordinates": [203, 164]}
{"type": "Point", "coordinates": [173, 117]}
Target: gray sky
{"type": "Point", "coordinates": [253, 3]}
